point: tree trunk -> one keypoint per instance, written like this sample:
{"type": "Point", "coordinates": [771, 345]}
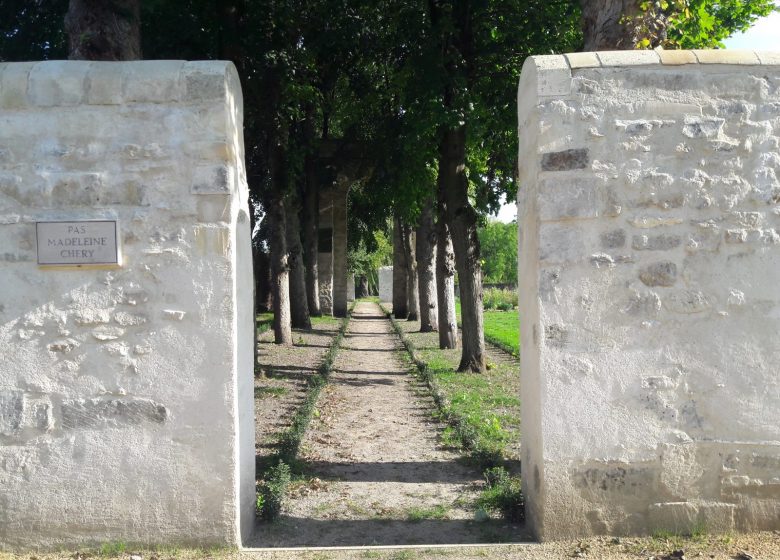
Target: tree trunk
{"type": "Point", "coordinates": [400, 309]}
{"type": "Point", "coordinates": [445, 281]}
{"type": "Point", "coordinates": [299, 308]}
{"type": "Point", "coordinates": [262, 281]}
{"type": "Point", "coordinates": [412, 291]}
{"type": "Point", "coordinates": [462, 220]}
{"type": "Point", "coordinates": [311, 219]}
{"type": "Point", "coordinates": [604, 24]}
{"type": "Point", "coordinates": [280, 271]}
{"type": "Point", "coordinates": [426, 269]}
{"type": "Point", "coordinates": [104, 30]}
{"type": "Point", "coordinates": [362, 287]}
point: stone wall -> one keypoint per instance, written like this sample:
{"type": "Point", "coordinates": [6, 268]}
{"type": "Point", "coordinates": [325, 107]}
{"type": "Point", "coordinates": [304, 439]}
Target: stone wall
{"type": "Point", "coordinates": [649, 212]}
{"type": "Point", "coordinates": [386, 284]}
{"type": "Point", "coordinates": [125, 391]}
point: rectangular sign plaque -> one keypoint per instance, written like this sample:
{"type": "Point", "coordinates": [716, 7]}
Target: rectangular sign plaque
{"type": "Point", "coordinates": [80, 243]}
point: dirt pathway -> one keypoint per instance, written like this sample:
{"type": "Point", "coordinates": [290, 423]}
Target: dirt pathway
{"type": "Point", "coordinates": [378, 474]}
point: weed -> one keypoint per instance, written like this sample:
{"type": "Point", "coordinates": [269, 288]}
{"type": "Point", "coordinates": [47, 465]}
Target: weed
{"type": "Point", "coordinates": [371, 554]}
{"type": "Point", "coordinates": [420, 513]}
{"type": "Point", "coordinates": [503, 494]}
{"type": "Point", "coordinates": [261, 392]}
{"type": "Point", "coordinates": [112, 549]}
{"type": "Point", "coordinates": [403, 555]}
{"type": "Point", "coordinates": [272, 490]}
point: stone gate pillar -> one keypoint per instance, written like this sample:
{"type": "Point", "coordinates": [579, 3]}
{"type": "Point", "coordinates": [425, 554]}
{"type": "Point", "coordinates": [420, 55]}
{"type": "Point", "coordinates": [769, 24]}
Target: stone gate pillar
{"type": "Point", "coordinates": [649, 259]}
{"type": "Point", "coordinates": [126, 320]}
{"type": "Point", "coordinates": [340, 284]}
{"type": "Point", "coordinates": [325, 252]}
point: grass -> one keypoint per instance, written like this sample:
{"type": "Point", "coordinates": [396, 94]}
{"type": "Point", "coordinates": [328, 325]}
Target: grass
{"type": "Point", "coordinates": [262, 392]}
{"type": "Point", "coordinates": [112, 548]}
{"type": "Point", "coordinates": [502, 328]}
{"type": "Point", "coordinates": [264, 322]}
{"type": "Point", "coordinates": [422, 513]}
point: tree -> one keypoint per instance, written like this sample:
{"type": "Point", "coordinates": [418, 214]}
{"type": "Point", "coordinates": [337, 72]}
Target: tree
{"type": "Point", "coordinates": [104, 29]}
{"type": "Point", "coordinates": [499, 251]}
{"type": "Point", "coordinates": [299, 305]}
{"type": "Point", "coordinates": [605, 24]}
{"type": "Point", "coordinates": [409, 240]}
{"type": "Point", "coordinates": [426, 269]}
{"type": "Point", "coordinates": [686, 24]}
{"type": "Point", "coordinates": [479, 46]}
{"type": "Point", "coordinates": [32, 30]}
{"type": "Point", "coordinates": [400, 282]}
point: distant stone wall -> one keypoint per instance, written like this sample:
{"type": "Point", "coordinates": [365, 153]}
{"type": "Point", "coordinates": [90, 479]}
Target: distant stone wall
{"type": "Point", "coordinates": [386, 284]}
{"type": "Point", "coordinates": [649, 213]}
{"type": "Point", "coordinates": [126, 409]}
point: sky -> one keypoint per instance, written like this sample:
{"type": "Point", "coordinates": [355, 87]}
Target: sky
{"type": "Point", "coordinates": [763, 36]}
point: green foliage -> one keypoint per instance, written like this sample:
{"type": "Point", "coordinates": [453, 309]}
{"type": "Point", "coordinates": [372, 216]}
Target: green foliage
{"type": "Point", "coordinates": [272, 491]}
{"type": "Point", "coordinates": [365, 259]}
{"type": "Point", "coordinates": [695, 24]}
{"type": "Point", "coordinates": [499, 298]}
{"type": "Point", "coordinates": [32, 30]}
{"type": "Point", "coordinates": [504, 494]}
{"type": "Point", "coordinates": [498, 247]}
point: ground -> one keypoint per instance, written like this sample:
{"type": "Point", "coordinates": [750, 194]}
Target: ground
{"type": "Point", "coordinates": [373, 468]}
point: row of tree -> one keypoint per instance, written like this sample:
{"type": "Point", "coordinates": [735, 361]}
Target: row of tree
{"type": "Point", "coordinates": [412, 102]}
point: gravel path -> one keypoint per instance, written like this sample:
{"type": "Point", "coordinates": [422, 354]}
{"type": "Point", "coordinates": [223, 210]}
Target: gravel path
{"type": "Point", "coordinates": [378, 474]}
{"type": "Point", "coordinates": [281, 379]}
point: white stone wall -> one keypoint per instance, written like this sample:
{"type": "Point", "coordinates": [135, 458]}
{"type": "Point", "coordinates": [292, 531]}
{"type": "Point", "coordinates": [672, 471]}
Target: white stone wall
{"type": "Point", "coordinates": [126, 392]}
{"type": "Point", "coordinates": [386, 284]}
{"type": "Point", "coordinates": [649, 212]}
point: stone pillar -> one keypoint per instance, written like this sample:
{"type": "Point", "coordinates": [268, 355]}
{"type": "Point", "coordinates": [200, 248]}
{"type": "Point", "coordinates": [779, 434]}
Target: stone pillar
{"type": "Point", "coordinates": [126, 320]}
{"type": "Point", "coordinates": [340, 249]}
{"type": "Point", "coordinates": [350, 287]}
{"type": "Point", "coordinates": [386, 284]}
{"type": "Point", "coordinates": [649, 259]}
{"type": "Point", "coordinates": [325, 252]}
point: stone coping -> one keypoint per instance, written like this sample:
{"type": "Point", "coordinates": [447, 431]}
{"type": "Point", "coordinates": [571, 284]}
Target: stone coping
{"type": "Point", "coordinates": [63, 83]}
{"type": "Point", "coordinates": [553, 72]}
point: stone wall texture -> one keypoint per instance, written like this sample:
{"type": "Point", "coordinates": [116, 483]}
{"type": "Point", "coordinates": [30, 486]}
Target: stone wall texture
{"type": "Point", "coordinates": [386, 284]}
{"type": "Point", "coordinates": [126, 392]}
{"type": "Point", "coordinates": [649, 212]}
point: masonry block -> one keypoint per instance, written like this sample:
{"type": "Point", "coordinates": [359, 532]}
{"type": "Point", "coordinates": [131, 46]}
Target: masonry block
{"type": "Point", "coordinates": [126, 385]}
{"type": "Point", "coordinates": [648, 262]}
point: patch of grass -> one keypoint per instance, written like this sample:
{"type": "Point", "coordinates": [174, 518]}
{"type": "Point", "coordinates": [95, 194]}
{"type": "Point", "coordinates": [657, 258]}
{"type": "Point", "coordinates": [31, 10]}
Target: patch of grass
{"type": "Point", "coordinates": [264, 322]}
{"type": "Point", "coordinates": [325, 320]}
{"type": "Point", "coordinates": [503, 493]}
{"type": "Point", "coordinates": [112, 548]}
{"type": "Point", "coordinates": [403, 555]}
{"type": "Point", "coordinates": [421, 513]}
{"type": "Point", "coordinates": [501, 328]}
{"type": "Point", "coordinates": [261, 392]}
